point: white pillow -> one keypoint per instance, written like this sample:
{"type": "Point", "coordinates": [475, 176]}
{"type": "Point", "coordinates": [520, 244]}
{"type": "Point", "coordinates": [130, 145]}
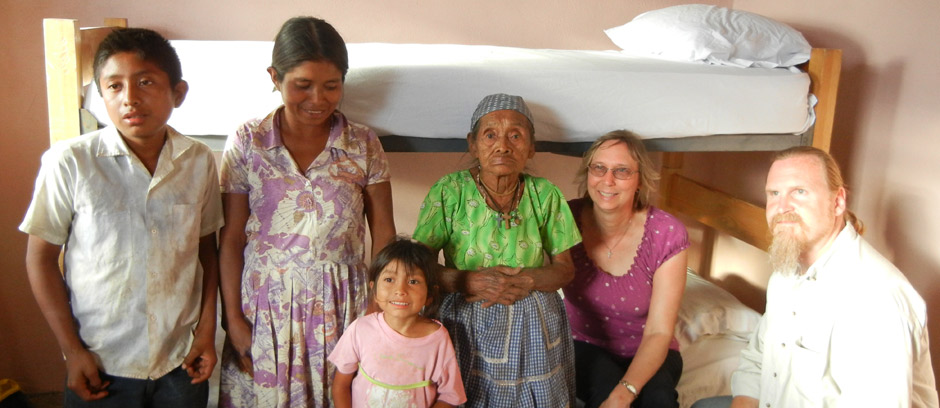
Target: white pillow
{"type": "Point", "coordinates": [707, 309]}
{"type": "Point", "coordinates": [717, 35]}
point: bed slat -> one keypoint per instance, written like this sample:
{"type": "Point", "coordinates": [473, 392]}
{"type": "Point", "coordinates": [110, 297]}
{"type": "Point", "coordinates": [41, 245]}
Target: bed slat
{"type": "Point", "coordinates": [716, 209]}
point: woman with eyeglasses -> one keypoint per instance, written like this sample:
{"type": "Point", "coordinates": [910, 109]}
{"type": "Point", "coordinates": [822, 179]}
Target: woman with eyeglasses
{"type": "Point", "coordinates": [629, 277]}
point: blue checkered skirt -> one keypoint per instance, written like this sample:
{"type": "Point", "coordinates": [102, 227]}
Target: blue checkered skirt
{"type": "Point", "coordinates": [513, 356]}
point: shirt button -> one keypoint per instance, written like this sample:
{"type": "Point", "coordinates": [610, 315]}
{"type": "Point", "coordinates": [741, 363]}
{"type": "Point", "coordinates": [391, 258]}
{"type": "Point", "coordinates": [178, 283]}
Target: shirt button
{"type": "Point", "coordinates": [153, 231]}
{"type": "Point", "coordinates": [783, 344]}
{"type": "Point", "coordinates": [775, 375]}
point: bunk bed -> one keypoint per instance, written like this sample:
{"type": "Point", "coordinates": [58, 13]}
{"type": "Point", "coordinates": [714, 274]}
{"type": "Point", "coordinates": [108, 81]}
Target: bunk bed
{"type": "Point", "coordinates": [372, 86]}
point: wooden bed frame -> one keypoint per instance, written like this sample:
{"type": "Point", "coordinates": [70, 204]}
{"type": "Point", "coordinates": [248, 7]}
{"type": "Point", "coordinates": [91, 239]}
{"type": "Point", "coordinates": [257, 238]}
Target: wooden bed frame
{"type": "Point", "coordinates": [69, 51]}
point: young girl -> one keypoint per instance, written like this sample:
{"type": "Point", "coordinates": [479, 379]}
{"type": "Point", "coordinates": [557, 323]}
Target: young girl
{"type": "Point", "coordinates": [398, 357]}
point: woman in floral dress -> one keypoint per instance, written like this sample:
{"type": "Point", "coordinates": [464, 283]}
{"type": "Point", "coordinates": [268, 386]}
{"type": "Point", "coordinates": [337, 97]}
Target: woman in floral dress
{"type": "Point", "coordinates": [295, 186]}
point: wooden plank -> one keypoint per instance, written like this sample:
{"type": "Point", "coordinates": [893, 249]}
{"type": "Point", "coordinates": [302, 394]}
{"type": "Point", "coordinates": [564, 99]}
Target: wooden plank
{"type": "Point", "coordinates": [718, 210]}
{"type": "Point", "coordinates": [671, 165]}
{"type": "Point", "coordinates": [63, 86]}
{"type": "Point", "coordinates": [824, 68]}
{"type": "Point", "coordinates": [115, 22]}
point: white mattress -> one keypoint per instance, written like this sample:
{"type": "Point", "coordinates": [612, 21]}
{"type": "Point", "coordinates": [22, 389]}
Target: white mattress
{"type": "Point", "coordinates": [431, 90]}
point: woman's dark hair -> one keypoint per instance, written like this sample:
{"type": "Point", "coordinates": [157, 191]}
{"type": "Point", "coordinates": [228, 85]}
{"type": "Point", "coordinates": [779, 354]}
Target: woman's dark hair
{"type": "Point", "coordinates": [149, 46]}
{"type": "Point", "coordinates": [304, 39]}
{"type": "Point", "coordinates": [416, 258]}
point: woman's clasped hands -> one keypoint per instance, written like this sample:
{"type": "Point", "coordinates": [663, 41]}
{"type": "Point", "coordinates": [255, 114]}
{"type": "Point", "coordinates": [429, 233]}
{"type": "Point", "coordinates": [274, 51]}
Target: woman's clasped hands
{"type": "Point", "coordinates": [497, 285]}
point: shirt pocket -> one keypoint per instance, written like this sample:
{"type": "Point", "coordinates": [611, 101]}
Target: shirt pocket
{"type": "Point", "coordinates": [183, 224]}
{"type": "Point", "coordinates": [811, 354]}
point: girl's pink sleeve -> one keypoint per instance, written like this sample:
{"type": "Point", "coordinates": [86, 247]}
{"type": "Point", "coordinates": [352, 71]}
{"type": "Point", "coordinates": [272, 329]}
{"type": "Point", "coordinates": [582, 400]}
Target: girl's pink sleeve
{"type": "Point", "coordinates": [345, 356]}
{"type": "Point", "coordinates": [450, 384]}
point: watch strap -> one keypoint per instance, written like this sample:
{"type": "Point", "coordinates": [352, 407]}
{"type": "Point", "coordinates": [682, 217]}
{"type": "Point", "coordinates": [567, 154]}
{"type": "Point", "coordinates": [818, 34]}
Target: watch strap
{"type": "Point", "coordinates": [630, 388]}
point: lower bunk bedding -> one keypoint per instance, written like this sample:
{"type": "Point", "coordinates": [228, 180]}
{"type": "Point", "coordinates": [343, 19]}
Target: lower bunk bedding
{"type": "Point", "coordinates": [712, 328]}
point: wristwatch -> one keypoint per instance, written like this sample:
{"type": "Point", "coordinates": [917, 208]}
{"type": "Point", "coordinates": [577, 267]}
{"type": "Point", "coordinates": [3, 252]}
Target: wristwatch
{"type": "Point", "coordinates": [630, 388]}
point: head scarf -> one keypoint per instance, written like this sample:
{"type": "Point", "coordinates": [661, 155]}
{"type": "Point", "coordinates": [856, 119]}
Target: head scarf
{"type": "Point", "coordinates": [500, 101]}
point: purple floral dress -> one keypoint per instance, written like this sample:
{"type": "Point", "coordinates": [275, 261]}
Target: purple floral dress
{"type": "Point", "coordinates": [304, 275]}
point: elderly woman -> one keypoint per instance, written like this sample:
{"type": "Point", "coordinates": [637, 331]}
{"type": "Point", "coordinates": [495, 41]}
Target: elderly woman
{"type": "Point", "coordinates": [630, 275]}
{"type": "Point", "coordinates": [495, 224]}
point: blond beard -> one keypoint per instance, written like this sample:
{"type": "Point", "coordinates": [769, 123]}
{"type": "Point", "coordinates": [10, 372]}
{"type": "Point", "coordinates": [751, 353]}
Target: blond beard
{"type": "Point", "coordinates": [786, 247]}
{"type": "Point", "coordinates": [785, 253]}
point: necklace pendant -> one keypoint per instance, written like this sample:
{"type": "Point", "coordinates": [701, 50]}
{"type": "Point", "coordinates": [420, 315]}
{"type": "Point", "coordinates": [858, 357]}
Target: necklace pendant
{"type": "Point", "coordinates": [609, 253]}
{"type": "Point", "coordinates": [507, 218]}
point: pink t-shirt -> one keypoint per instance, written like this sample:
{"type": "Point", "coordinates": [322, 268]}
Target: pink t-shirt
{"type": "Point", "coordinates": [610, 311]}
{"type": "Point", "coordinates": [397, 371]}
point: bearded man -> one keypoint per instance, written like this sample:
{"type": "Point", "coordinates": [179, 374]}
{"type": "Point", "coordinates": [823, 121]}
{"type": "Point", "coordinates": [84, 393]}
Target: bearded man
{"type": "Point", "coordinates": [843, 327]}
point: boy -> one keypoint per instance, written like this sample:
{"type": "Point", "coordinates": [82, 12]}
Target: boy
{"type": "Point", "coordinates": [136, 207]}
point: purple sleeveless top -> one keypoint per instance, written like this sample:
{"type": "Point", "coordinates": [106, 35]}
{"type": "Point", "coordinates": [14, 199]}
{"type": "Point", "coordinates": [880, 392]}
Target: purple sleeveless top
{"type": "Point", "coordinates": [609, 311]}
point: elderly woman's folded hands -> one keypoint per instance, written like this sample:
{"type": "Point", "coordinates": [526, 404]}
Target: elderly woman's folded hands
{"type": "Point", "coordinates": [498, 284]}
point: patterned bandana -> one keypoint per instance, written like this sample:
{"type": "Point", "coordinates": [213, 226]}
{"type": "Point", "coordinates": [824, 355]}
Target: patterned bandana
{"type": "Point", "coordinates": [495, 102]}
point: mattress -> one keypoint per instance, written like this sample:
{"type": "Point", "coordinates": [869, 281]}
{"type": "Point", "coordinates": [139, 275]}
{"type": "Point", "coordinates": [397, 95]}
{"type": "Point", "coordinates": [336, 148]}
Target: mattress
{"type": "Point", "coordinates": [430, 91]}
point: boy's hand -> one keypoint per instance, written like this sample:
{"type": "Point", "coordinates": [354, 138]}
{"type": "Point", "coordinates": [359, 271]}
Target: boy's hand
{"type": "Point", "coordinates": [239, 337]}
{"type": "Point", "coordinates": [201, 360]}
{"type": "Point", "coordinates": [83, 377]}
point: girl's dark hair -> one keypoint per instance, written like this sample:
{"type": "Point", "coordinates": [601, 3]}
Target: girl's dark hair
{"type": "Point", "coordinates": [417, 258]}
{"type": "Point", "coordinates": [147, 44]}
{"type": "Point", "coordinates": [304, 39]}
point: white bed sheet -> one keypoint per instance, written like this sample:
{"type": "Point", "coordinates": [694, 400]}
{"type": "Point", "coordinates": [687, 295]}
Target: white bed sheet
{"type": "Point", "coordinates": [707, 365]}
{"type": "Point", "coordinates": [712, 328]}
{"type": "Point", "coordinates": [431, 90]}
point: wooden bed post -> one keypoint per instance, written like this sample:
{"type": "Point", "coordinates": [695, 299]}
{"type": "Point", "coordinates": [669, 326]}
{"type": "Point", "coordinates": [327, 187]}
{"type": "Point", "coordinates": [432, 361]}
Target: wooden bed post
{"type": "Point", "coordinates": [824, 68]}
{"type": "Point", "coordinates": [669, 170]}
{"type": "Point", "coordinates": [69, 56]}
{"type": "Point", "coordinates": [63, 80]}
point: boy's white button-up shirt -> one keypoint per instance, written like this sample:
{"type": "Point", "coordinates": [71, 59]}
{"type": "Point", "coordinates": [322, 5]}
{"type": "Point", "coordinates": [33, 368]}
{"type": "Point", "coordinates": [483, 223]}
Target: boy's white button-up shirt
{"type": "Point", "coordinates": [132, 244]}
{"type": "Point", "coordinates": [850, 332]}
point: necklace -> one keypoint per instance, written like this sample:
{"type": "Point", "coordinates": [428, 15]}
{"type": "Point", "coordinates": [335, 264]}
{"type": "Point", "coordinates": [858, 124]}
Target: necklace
{"type": "Point", "coordinates": [503, 215]}
{"type": "Point", "coordinates": [610, 250]}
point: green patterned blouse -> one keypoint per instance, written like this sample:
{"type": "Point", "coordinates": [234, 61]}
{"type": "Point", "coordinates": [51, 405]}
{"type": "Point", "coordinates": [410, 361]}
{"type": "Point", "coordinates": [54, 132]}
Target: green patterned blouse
{"type": "Point", "coordinates": [454, 216]}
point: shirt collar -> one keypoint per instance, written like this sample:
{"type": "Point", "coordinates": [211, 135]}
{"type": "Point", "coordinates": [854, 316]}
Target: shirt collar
{"type": "Point", "coordinates": [845, 237]}
{"type": "Point", "coordinates": [271, 135]}
{"type": "Point", "coordinates": [271, 126]}
{"type": "Point", "coordinates": [112, 144]}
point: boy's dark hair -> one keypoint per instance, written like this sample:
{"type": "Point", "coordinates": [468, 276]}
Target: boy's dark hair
{"type": "Point", "coordinates": [304, 39]}
{"type": "Point", "coordinates": [147, 44]}
{"type": "Point", "coordinates": [417, 258]}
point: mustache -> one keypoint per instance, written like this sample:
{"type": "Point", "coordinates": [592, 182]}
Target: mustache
{"type": "Point", "coordinates": [787, 217]}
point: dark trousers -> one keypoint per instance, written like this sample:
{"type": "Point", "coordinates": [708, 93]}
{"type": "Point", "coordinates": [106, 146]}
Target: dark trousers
{"type": "Point", "coordinates": [598, 371]}
{"type": "Point", "coordinates": [171, 391]}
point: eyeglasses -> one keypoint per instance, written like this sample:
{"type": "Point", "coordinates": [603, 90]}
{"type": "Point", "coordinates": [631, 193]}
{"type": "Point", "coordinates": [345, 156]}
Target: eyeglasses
{"type": "Point", "coordinates": [620, 173]}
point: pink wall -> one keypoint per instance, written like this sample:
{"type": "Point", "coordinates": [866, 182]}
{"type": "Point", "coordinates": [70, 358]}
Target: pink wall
{"type": "Point", "coordinates": [886, 125]}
